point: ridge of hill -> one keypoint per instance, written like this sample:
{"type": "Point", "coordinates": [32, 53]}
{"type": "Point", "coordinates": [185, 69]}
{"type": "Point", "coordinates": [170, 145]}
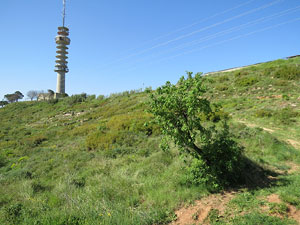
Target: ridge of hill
{"type": "Point", "coordinates": [87, 160]}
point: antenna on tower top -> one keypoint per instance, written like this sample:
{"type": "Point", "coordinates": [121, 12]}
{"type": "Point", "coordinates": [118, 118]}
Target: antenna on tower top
{"type": "Point", "coordinates": [64, 12]}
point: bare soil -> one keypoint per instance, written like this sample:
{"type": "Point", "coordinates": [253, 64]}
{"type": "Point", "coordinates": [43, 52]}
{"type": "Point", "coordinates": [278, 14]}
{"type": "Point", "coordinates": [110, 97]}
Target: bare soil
{"type": "Point", "coordinates": [254, 125]}
{"type": "Point", "coordinates": [294, 168]}
{"type": "Point", "coordinates": [292, 210]}
{"type": "Point", "coordinates": [295, 144]}
{"type": "Point", "coordinates": [198, 212]}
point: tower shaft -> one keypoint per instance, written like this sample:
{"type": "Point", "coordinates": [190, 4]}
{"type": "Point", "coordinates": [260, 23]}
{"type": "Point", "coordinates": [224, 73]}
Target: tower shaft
{"type": "Point", "coordinates": [60, 86]}
{"type": "Point", "coordinates": [61, 66]}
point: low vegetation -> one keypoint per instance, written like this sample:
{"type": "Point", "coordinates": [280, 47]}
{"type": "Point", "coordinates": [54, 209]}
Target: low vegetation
{"type": "Point", "coordinates": [91, 160]}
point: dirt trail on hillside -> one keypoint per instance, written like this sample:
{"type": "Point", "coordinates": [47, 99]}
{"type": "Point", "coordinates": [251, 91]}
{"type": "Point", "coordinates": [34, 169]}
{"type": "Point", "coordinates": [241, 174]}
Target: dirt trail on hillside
{"type": "Point", "coordinates": [294, 143]}
{"type": "Point", "coordinates": [199, 211]}
{"type": "Point", "coordinates": [254, 125]}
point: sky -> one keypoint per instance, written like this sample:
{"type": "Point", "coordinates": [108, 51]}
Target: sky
{"type": "Point", "coordinates": [119, 45]}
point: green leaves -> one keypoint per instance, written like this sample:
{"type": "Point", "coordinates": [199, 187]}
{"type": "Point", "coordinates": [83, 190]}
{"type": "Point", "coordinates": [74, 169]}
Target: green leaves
{"type": "Point", "coordinates": [198, 128]}
{"type": "Point", "coordinates": [177, 109]}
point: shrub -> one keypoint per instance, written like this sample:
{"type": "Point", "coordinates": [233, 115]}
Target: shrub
{"type": "Point", "coordinates": [285, 97]}
{"type": "Point", "coordinates": [245, 81]}
{"type": "Point", "coordinates": [101, 140]}
{"type": "Point", "coordinates": [291, 72]}
{"type": "Point", "coordinates": [53, 101]}
{"type": "Point", "coordinates": [223, 78]}
{"type": "Point", "coordinates": [226, 163]}
{"type": "Point", "coordinates": [261, 113]}
{"type": "Point", "coordinates": [79, 182]}
{"type": "Point", "coordinates": [222, 87]}
{"type": "Point", "coordinates": [76, 99]}
{"type": "Point", "coordinates": [268, 71]}
{"type": "Point", "coordinates": [100, 97]}
{"type": "Point", "coordinates": [134, 122]}
{"type": "Point", "coordinates": [281, 83]}
{"type": "Point", "coordinates": [83, 130]}
{"type": "Point", "coordinates": [2, 161]}
{"type": "Point", "coordinates": [182, 112]}
{"type": "Point", "coordinates": [36, 140]}
{"type": "Point", "coordinates": [197, 172]}
{"type": "Point", "coordinates": [241, 73]}
{"type": "Point", "coordinates": [91, 97]}
{"type": "Point", "coordinates": [13, 212]}
{"type": "Point", "coordinates": [286, 115]}
{"type": "Point", "coordinates": [38, 187]}
{"type": "Point", "coordinates": [106, 140]}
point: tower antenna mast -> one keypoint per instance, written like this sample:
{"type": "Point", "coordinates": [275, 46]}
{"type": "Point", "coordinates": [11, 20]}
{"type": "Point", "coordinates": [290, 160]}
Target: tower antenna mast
{"type": "Point", "coordinates": [62, 41]}
{"type": "Point", "coordinates": [64, 12]}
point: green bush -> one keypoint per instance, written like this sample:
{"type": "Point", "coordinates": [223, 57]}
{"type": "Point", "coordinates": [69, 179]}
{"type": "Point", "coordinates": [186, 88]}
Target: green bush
{"type": "Point", "coordinates": [84, 129]}
{"type": "Point", "coordinates": [281, 83]}
{"type": "Point", "coordinates": [13, 212]}
{"type": "Point", "coordinates": [222, 87]}
{"type": "Point", "coordinates": [182, 113]}
{"type": "Point", "coordinates": [286, 115]}
{"type": "Point", "coordinates": [79, 182]}
{"type": "Point", "coordinates": [245, 81]}
{"type": "Point", "coordinates": [285, 97]}
{"type": "Point", "coordinates": [268, 71]}
{"type": "Point", "coordinates": [261, 113]}
{"type": "Point", "coordinates": [100, 97]}
{"type": "Point", "coordinates": [76, 99]}
{"type": "Point", "coordinates": [53, 101]}
{"type": "Point", "coordinates": [223, 78]}
{"type": "Point", "coordinates": [291, 72]}
{"type": "Point", "coordinates": [134, 122]}
{"type": "Point", "coordinates": [2, 161]}
{"type": "Point", "coordinates": [241, 73]}
{"type": "Point", "coordinates": [35, 141]}
{"type": "Point", "coordinates": [37, 186]}
{"type": "Point", "coordinates": [198, 172]}
{"type": "Point", "coordinates": [106, 140]}
{"type": "Point", "coordinates": [91, 97]}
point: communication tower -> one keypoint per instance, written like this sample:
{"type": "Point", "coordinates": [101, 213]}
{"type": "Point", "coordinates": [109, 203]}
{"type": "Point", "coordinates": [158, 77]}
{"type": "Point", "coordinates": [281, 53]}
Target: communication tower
{"type": "Point", "coordinates": [61, 67]}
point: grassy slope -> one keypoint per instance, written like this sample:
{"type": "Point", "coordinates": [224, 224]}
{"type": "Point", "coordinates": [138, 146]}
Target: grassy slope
{"type": "Point", "coordinates": [95, 163]}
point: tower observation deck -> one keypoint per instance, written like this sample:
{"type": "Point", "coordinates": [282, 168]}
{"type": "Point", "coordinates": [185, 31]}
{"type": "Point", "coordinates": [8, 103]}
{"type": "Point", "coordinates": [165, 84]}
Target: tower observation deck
{"type": "Point", "coordinates": [62, 41]}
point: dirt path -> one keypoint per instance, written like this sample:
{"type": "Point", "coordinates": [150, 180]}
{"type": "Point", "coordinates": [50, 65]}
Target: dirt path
{"type": "Point", "coordinates": [294, 143]}
{"type": "Point", "coordinates": [199, 211]}
{"type": "Point", "coordinates": [254, 125]}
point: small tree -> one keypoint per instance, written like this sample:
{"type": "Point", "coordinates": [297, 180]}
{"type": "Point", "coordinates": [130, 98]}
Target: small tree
{"type": "Point", "coordinates": [193, 124]}
{"type": "Point", "coordinates": [3, 103]}
{"type": "Point", "coordinates": [32, 94]}
{"type": "Point", "coordinates": [19, 95]}
{"type": "Point", "coordinates": [11, 97]}
{"type": "Point", "coordinates": [14, 97]}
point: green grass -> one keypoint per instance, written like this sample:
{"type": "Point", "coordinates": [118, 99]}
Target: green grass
{"type": "Point", "coordinates": [92, 161]}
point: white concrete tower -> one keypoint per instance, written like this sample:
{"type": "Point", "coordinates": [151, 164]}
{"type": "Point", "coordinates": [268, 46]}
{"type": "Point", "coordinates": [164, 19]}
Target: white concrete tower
{"type": "Point", "coordinates": [61, 66]}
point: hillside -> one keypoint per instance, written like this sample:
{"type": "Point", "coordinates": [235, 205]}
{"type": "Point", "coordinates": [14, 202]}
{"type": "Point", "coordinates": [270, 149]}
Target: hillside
{"type": "Point", "coordinates": [87, 160]}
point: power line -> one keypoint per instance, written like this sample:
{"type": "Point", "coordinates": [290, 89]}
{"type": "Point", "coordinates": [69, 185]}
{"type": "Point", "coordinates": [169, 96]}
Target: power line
{"type": "Point", "coordinates": [228, 31]}
{"type": "Point", "coordinates": [231, 39]}
{"type": "Point", "coordinates": [197, 22]}
{"type": "Point", "coordinates": [200, 30]}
